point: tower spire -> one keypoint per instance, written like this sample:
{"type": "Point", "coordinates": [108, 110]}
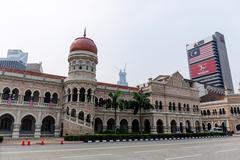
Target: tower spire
{"type": "Point", "coordinates": [84, 34]}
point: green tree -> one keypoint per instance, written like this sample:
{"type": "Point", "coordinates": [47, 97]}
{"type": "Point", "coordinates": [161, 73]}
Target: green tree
{"type": "Point", "coordinates": [115, 103]}
{"type": "Point", "coordinates": [141, 102]}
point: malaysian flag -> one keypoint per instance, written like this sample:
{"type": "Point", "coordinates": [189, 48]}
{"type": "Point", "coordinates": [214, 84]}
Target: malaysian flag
{"type": "Point", "coordinates": [9, 102]}
{"type": "Point", "coordinates": [50, 104]}
{"type": "Point", "coordinates": [201, 53]}
{"type": "Point", "coordinates": [31, 103]}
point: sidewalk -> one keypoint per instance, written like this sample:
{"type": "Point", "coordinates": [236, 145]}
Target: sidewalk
{"type": "Point", "coordinates": [34, 141]}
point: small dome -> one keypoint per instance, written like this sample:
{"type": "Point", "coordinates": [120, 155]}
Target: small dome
{"type": "Point", "coordinates": [83, 43]}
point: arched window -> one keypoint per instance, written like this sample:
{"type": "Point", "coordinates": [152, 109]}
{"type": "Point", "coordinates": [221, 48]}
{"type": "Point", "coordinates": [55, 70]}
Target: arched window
{"type": "Point", "coordinates": [35, 96]}
{"type": "Point", "coordinates": [188, 109]}
{"type": "Point", "coordinates": [89, 94]}
{"type": "Point", "coordinates": [6, 93]}
{"type": "Point", "coordinates": [223, 111]}
{"type": "Point", "coordinates": [88, 119]}
{"type": "Point", "coordinates": [75, 95]}
{"type": "Point", "coordinates": [81, 115]}
{"type": "Point", "coordinates": [101, 102]}
{"type": "Point", "coordinates": [15, 94]}
{"type": "Point", "coordinates": [235, 110]}
{"type": "Point", "coordinates": [208, 112]}
{"type": "Point", "coordinates": [67, 111]}
{"type": "Point", "coordinates": [55, 98]}
{"type": "Point", "coordinates": [238, 111]}
{"type": "Point", "coordinates": [231, 110]}
{"type": "Point", "coordinates": [27, 96]}
{"type": "Point", "coordinates": [96, 101]}
{"type": "Point", "coordinates": [220, 111]}
{"type": "Point", "coordinates": [174, 107]}
{"type": "Point", "coordinates": [170, 106]}
{"type": "Point", "coordinates": [82, 95]}
{"type": "Point", "coordinates": [204, 112]}
{"type": "Point", "coordinates": [160, 105]}
{"type": "Point", "coordinates": [73, 113]}
{"type": "Point", "coordinates": [69, 95]}
{"type": "Point", "coordinates": [156, 104]}
{"type": "Point", "coordinates": [179, 107]}
{"type": "Point", "coordinates": [47, 97]}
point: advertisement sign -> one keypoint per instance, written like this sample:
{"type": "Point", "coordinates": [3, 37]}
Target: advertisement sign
{"type": "Point", "coordinates": [203, 68]}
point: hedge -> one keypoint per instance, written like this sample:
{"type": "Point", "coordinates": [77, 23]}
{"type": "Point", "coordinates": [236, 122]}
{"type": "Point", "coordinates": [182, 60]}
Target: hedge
{"type": "Point", "coordinates": [1, 139]}
{"type": "Point", "coordinates": [120, 137]}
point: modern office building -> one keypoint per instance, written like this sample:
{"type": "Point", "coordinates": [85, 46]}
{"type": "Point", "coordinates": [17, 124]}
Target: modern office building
{"type": "Point", "coordinates": [208, 62]}
{"type": "Point", "coordinates": [16, 59]}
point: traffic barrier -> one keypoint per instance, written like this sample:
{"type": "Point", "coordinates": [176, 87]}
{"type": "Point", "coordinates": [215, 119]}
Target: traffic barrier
{"type": "Point", "coordinates": [23, 142]}
{"type": "Point", "coordinates": [28, 142]}
{"type": "Point", "coordinates": [42, 141]}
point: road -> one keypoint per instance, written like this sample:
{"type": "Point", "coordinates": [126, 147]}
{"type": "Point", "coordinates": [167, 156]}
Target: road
{"type": "Point", "coordinates": [227, 148]}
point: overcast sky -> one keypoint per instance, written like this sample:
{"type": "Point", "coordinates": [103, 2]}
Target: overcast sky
{"type": "Point", "coordinates": [149, 36]}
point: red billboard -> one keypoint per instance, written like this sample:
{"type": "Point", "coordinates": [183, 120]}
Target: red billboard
{"type": "Point", "coordinates": [203, 68]}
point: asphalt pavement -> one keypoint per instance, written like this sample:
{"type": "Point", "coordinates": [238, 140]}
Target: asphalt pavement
{"type": "Point", "coordinates": [224, 148]}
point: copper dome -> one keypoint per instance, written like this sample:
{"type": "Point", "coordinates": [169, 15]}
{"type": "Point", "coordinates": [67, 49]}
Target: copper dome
{"type": "Point", "coordinates": [83, 43]}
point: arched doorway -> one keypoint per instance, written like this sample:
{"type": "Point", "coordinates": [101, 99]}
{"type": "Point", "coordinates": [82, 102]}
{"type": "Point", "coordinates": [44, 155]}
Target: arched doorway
{"type": "Point", "coordinates": [147, 127]}
{"type": "Point", "coordinates": [27, 126]}
{"type": "Point", "coordinates": [203, 127]}
{"type": "Point", "coordinates": [209, 126]}
{"type": "Point", "coordinates": [124, 126]}
{"type": "Point", "coordinates": [181, 127]}
{"type": "Point", "coordinates": [6, 124]}
{"type": "Point", "coordinates": [197, 127]}
{"type": "Point", "coordinates": [160, 128]}
{"type": "Point", "coordinates": [135, 126]}
{"type": "Point", "coordinates": [98, 125]}
{"type": "Point", "coordinates": [188, 126]}
{"type": "Point", "coordinates": [110, 124]}
{"type": "Point", "coordinates": [173, 126]}
{"type": "Point", "coordinates": [48, 126]}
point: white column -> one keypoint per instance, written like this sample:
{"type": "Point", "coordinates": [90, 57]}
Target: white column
{"type": "Point", "coordinates": [16, 129]}
{"type": "Point", "coordinates": [37, 131]}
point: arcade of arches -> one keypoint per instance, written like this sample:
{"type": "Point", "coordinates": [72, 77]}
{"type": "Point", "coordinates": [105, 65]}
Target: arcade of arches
{"type": "Point", "coordinates": [27, 126]}
{"type": "Point", "coordinates": [133, 126]}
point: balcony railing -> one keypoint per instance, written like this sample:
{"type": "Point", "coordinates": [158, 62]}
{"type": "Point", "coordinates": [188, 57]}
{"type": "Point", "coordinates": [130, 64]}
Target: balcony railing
{"type": "Point", "coordinates": [27, 103]}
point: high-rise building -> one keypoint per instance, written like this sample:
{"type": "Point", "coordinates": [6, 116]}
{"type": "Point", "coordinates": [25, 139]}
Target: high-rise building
{"type": "Point", "coordinates": [15, 59]}
{"type": "Point", "coordinates": [122, 78]}
{"type": "Point", "coordinates": [208, 62]}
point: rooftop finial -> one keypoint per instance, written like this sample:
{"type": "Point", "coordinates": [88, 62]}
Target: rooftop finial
{"type": "Point", "coordinates": [84, 34]}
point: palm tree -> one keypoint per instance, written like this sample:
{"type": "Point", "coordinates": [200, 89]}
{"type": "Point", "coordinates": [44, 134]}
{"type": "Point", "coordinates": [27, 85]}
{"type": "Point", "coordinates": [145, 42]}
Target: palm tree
{"type": "Point", "coordinates": [114, 103]}
{"type": "Point", "coordinates": [142, 102]}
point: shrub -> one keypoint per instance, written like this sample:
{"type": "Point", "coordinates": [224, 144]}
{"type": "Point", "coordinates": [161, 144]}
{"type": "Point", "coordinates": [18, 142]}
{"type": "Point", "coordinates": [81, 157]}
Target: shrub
{"type": "Point", "coordinates": [1, 139]}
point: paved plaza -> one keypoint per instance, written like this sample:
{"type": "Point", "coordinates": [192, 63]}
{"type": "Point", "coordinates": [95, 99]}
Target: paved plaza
{"type": "Point", "coordinates": [226, 148]}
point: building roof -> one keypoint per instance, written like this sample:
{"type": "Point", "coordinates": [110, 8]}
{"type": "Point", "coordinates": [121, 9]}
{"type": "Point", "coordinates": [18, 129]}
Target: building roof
{"type": "Point", "coordinates": [117, 86]}
{"type": "Point", "coordinates": [32, 73]}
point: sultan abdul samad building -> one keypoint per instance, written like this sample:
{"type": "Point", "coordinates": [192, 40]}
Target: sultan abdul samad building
{"type": "Point", "coordinates": [38, 104]}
